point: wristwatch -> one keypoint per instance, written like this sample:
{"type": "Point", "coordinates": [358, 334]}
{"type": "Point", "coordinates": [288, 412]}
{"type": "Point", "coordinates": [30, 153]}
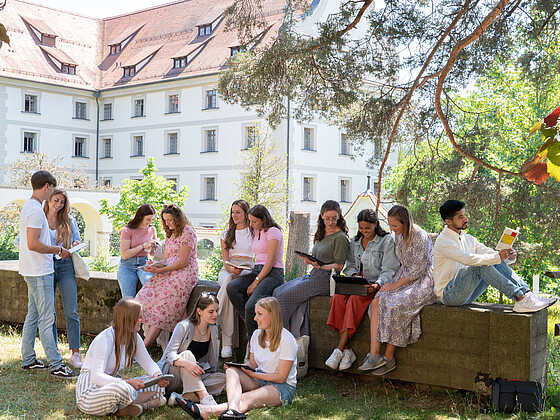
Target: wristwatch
{"type": "Point", "coordinates": [257, 279]}
{"type": "Point", "coordinates": [60, 252]}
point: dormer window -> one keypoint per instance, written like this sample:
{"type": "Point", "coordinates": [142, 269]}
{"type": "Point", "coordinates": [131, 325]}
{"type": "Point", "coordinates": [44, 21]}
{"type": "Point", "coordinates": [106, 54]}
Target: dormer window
{"type": "Point", "coordinates": [49, 40]}
{"type": "Point", "coordinates": [179, 62]}
{"type": "Point", "coordinates": [68, 68]}
{"type": "Point", "coordinates": [236, 50]}
{"type": "Point", "coordinates": [114, 49]}
{"type": "Point", "coordinates": [204, 30]}
{"type": "Point", "coordinates": [129, 71]}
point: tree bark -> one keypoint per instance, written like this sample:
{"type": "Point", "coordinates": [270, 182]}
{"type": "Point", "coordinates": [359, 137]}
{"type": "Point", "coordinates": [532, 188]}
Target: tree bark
{"type": "Point", "coordinates": [298, 240]}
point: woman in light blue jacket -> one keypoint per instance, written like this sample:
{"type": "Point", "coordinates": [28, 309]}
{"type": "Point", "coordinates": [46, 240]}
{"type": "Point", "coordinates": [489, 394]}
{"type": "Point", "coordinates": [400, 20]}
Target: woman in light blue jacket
{"type": "Point", "coordinates": [372, 255]}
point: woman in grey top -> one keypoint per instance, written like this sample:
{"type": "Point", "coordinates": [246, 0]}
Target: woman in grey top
{"type": "Point", "coordinates": [371, 255]}
{"type": "Point", "coordinates": [192, 355]}
{"type": "Point", "coordinates": [331, 247]}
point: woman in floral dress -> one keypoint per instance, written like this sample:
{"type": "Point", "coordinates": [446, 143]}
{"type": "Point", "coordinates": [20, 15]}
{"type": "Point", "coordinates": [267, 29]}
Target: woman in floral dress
{"type": "Point", "coordinates": [395, 311]}
{"type": "Point", "coordinates": [164, 298]}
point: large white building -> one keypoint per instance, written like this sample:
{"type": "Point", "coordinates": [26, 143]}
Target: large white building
{"type": "Point", "coordinates": [111, 92]}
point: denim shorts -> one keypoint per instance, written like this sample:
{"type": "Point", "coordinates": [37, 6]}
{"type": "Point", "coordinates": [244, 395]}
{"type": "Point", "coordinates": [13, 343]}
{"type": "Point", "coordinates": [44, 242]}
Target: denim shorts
{"type": "Point", "coordinates": [286, 391]}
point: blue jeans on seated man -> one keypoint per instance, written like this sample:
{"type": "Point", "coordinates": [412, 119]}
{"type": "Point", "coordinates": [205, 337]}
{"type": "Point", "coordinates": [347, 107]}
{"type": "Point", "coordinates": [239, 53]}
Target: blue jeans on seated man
{"type": "Point", "coordinates": [470, 282]}
{"type": "Point", "coordinates": [129, 273]}
{"type": "Point", "coordinates": [40, 314]}
{"type": "Point", "coordinates": [67, 286]}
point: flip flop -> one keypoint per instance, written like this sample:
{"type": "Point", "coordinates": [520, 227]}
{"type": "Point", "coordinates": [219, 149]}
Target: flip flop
{"type": "Point", "coordinates": [189, 407]}
{"type": "Point", "coordinates": [230, 413]}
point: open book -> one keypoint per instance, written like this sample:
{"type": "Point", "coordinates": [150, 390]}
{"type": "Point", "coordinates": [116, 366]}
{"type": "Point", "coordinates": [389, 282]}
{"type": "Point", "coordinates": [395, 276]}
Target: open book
{"type": "Point", "coordinates": [245, 265]}
{"type": "Point", "coordinates": [158, 264]}
{"type": "Point", "coordinates": [507, 239]}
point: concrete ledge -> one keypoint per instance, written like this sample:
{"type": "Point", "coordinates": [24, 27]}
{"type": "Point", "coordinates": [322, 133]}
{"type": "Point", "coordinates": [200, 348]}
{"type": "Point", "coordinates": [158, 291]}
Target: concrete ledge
{"type": "Point", "coordinates": [96, 299]}
{"type": "Point", "coordinates": [460, 347]}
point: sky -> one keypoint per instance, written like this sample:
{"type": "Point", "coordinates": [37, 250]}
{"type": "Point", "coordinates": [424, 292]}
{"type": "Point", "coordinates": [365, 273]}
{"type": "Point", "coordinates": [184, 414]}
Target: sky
{"type": "Point", "coordinates": [100, 8]}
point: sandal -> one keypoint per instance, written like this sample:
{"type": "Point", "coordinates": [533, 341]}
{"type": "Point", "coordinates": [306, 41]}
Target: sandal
{"type": "Point", "coordinates": [189, 407]}
{"type": "Point", "coordinates": [230, 413]}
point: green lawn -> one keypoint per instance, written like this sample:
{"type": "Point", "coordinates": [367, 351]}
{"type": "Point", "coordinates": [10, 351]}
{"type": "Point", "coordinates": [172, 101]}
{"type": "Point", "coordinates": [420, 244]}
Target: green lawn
{"type": "Point", "coordinates": [321, 395]}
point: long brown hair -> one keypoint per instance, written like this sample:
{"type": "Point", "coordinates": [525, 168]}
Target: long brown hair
{"type": "Point", "coordinates": [204, 301]}
{"type": "Point", "coordinates": [404, 216]}
{"type": "Point", "coordinates": [271, 305]}
{"type": "Point", "coordinates": [340, 222]}
{"type": "Point", "coordinates": [126, 314]}
{"type": "Point", "coordinates": [143, 210]}
{"type": "Point", "coordinates": [230, 233]}
{"type": "Point", "coordinates": [63, 227]}
{"type": "Point", "coordinates": [261, 212]}
{"type": "Point", "coordinates": [179, 219]}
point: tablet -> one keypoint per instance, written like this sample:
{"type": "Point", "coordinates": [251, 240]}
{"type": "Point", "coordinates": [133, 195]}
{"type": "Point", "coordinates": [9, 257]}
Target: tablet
{"type": "Point", "coordinates": [153, 381]}
{"type": "Point", "coordinates": [239, 365]}
{"type": "Point", "coordinates": [310, 257]}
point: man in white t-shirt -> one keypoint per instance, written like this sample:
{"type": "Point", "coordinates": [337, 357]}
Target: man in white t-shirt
{"type": "Point", "coordinates": [36, 265]}
{"type": "Point", "coordinates": [463, 267]}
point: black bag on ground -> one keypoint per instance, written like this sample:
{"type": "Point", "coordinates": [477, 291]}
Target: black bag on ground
{"type": "Point", "coordinates": [509, 396]}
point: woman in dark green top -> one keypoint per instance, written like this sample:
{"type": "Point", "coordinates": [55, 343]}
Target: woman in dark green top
{"type": "Point", "coordinates": [331, 247]}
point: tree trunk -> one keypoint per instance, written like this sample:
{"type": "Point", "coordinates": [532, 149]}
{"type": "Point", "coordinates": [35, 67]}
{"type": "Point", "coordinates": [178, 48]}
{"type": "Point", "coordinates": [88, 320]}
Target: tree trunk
{"type": "Point", "coordinates": [298, 240]}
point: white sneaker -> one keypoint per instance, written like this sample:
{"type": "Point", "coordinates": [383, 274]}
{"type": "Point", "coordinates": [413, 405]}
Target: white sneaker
{"type": "Point", "coordinates": [153, 403]}
{"type": "Point", "coordinates": [530, 303]}
{"type": "Point", "coordinates": [76, 360]}
{"type": "Point", "coordinates": [334, 359]}
{"type": "Point", "coordinates": [208, 400]}
{"type": "Point", "coordinates": [348, 358]}
{"type": "Point", "coordinates": [173, 399]}
{"type": "Point", "coordinates": [227, 352]}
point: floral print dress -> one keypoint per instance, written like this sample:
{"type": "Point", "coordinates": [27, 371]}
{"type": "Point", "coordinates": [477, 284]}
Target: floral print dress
{"type": "Point", "coordinates": [399, 309]}
{"type": "Point", "coordinates": [165, 296]}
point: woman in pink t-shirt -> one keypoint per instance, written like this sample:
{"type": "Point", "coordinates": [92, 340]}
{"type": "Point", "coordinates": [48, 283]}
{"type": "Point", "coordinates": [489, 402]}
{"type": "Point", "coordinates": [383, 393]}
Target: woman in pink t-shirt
{"type": "Point", "coordinates": [268, 272]}
{"type": "Point", "coordinates": [137, 238]}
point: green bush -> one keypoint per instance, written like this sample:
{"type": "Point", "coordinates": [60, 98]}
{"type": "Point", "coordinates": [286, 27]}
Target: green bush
{"type": "Point", "coordinates": [212, 266]}
{"type": "Point", "coordinates": [102, 261]}
{"type": "Point", "coordinates": [7, 249]}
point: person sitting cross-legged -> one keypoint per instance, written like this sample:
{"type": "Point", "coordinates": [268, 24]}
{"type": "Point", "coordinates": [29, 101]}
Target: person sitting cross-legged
{"type": "Point", "coordinates": [463, 267]}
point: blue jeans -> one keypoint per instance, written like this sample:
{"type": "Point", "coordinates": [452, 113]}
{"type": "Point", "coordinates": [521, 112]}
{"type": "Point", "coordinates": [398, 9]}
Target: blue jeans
{"type": "Point", "coordinates": [286, 391]}
{"type": "Point", "coordinates": [470, 282]}
{"type": "Point", "coordinates": [40, 314]}
{"type": "Point", "coordinates": [245, 305]}
{"type": "Point", "coordinates": [68, 288]}
{"type": "Point", "coordinates": [128, 275]}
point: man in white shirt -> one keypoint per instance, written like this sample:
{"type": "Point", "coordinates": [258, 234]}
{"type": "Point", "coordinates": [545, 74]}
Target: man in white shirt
{"type": "Point", "coordinates": [463, 267]}
{"type": "Point", "coordinates": [36, 265]}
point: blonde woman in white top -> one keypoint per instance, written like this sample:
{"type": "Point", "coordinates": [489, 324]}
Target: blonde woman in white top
{"type": "Point", "coordinates": [236, 243]}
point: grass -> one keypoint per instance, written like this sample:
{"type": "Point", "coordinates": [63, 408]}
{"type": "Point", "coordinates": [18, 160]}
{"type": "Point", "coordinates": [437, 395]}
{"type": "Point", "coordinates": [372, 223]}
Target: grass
{"type": "Point", "coordinates": [320, 395]}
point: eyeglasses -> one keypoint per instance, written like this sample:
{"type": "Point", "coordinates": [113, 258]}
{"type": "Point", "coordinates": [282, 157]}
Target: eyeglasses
{"type": "Point", "coordinates": [330, 219]}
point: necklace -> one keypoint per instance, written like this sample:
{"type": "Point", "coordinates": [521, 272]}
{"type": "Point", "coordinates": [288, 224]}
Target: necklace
{"type": "Point", "coordinates": [35, 198]}
{"type": "Point", "coordinates": [202, 335]}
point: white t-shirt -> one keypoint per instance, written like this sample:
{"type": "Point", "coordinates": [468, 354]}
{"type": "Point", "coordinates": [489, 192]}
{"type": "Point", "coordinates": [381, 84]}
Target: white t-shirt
{"type": "Point", "coordinates": [243, 242]}
{"type": "Point", "coordinates": [268, 361]}
{"type": "Point", "coordinates": [31, 263]}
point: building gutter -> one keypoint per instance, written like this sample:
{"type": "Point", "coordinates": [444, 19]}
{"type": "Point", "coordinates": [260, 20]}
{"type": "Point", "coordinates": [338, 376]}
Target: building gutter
{"type": "Point", "coordinates": [97, 94]}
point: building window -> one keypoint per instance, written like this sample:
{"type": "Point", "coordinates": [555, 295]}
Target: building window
{"type": "Point", "coordinates": [250, 136]}
{"type": "Point", "coordinates": [79, 147]}
{"type": "Point", "coordinates": [172, 143]}
{"type": "Point", "coordinates": [210, 141]}
{"type": "Point", "coordinates": [344, 145]}
{"type": "Point", "coordinates": [137, 145]}
{"type": "Point", "coordinates": [308, 138]}
{"type": "Point", "coordinates": [236, 50]}
{"type": "Point", "coordinates": [179, 62]}
{"type": "Point", "coordinates": [68, 69]}
{"type": "Point", "coordinates": [108, 111]}
{"type": "Point", "coordinates": [173, 104]}
{"type": "Point", "coordinates": [81, 110]}
{"type": "Point", "coordinates": [106, 182]}
{"type": "Point", "coordinates": [29, 142]}
{"type": "Point", "coordinates": [30, 104]}
{"type": "Point", "coordinates": [209, 192]}
{"type": "Point", "coordinates": [139, 108]}
{"type": "Point", "coordinates": [174, 187]}
{"type": "Point", "coordinates": [129, 71]}
{"type": "Point", "coordinates": [345, 191]}
{"type": "Point", "coordinates": [211, 99]}
{"type": "Point", "coordinates": [308, 189]}
{"type": "Point", "coordinates": [48, 40]}
{"type": "Point", "coordinates": [107, 148]}
{"type": "Point", "coordinates": [204, 30]}
{"type": "Point", "coordinates": [114, 49]}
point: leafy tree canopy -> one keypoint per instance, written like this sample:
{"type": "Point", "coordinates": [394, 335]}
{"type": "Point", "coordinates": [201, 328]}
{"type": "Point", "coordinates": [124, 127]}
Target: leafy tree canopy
{"type": "Point", "coordinates": [152, 189]}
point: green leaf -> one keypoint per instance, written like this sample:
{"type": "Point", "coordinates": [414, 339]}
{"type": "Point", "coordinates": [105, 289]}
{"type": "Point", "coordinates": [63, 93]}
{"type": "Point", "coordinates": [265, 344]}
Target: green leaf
{"type": "Point", "coordinates": [4, 35]}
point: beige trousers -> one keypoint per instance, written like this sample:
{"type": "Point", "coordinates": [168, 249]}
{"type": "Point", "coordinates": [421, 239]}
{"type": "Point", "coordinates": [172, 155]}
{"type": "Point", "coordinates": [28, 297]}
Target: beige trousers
{"type": "Point", "coordinates": [227, 317]}
{"type": "Point", "coordinates": [214, 383]}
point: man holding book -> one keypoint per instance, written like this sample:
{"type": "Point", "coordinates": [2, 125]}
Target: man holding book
{"type": "Point", "coordinates": [463, 267]}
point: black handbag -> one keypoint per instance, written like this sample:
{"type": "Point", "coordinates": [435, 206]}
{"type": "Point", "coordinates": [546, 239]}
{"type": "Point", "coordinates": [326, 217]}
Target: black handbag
{"type": "Point", "coordinates": [509, 396]}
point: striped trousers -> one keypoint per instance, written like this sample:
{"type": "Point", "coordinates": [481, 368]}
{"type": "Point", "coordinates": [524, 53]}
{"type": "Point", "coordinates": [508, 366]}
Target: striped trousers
{"type": "Point", "coordinates": [108, 399]}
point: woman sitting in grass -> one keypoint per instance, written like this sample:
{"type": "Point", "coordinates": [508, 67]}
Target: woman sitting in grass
{"type": "Point", "coordinates": [273, 380]}
{"type": "Point", "coordinates": [100, 390]}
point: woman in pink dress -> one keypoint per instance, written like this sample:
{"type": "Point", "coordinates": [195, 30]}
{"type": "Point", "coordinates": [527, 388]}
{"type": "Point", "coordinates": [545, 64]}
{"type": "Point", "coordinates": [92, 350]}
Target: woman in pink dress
{"type": "Point", "coordinates": [164, 298]}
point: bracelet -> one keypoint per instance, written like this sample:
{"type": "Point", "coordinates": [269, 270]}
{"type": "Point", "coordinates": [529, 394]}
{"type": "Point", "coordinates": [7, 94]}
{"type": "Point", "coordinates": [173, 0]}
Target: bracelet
{"type": "Point", "coordinates": [60, 252]}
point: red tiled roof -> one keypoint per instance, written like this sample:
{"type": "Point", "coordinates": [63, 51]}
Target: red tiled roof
{"type": "Point", "coordinates": [171, 29]}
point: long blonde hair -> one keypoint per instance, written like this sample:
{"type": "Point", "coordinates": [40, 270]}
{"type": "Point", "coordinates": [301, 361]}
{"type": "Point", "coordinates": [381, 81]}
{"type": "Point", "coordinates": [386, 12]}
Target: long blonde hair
{"type": "Point", "coordinates": [405, 217]}
{"type": "Point", "coordinates": [126, 314]}
{"type": "Point", "coordinates": [63, 227]}
{"type": "Point", "coordinates": [271, 305]}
